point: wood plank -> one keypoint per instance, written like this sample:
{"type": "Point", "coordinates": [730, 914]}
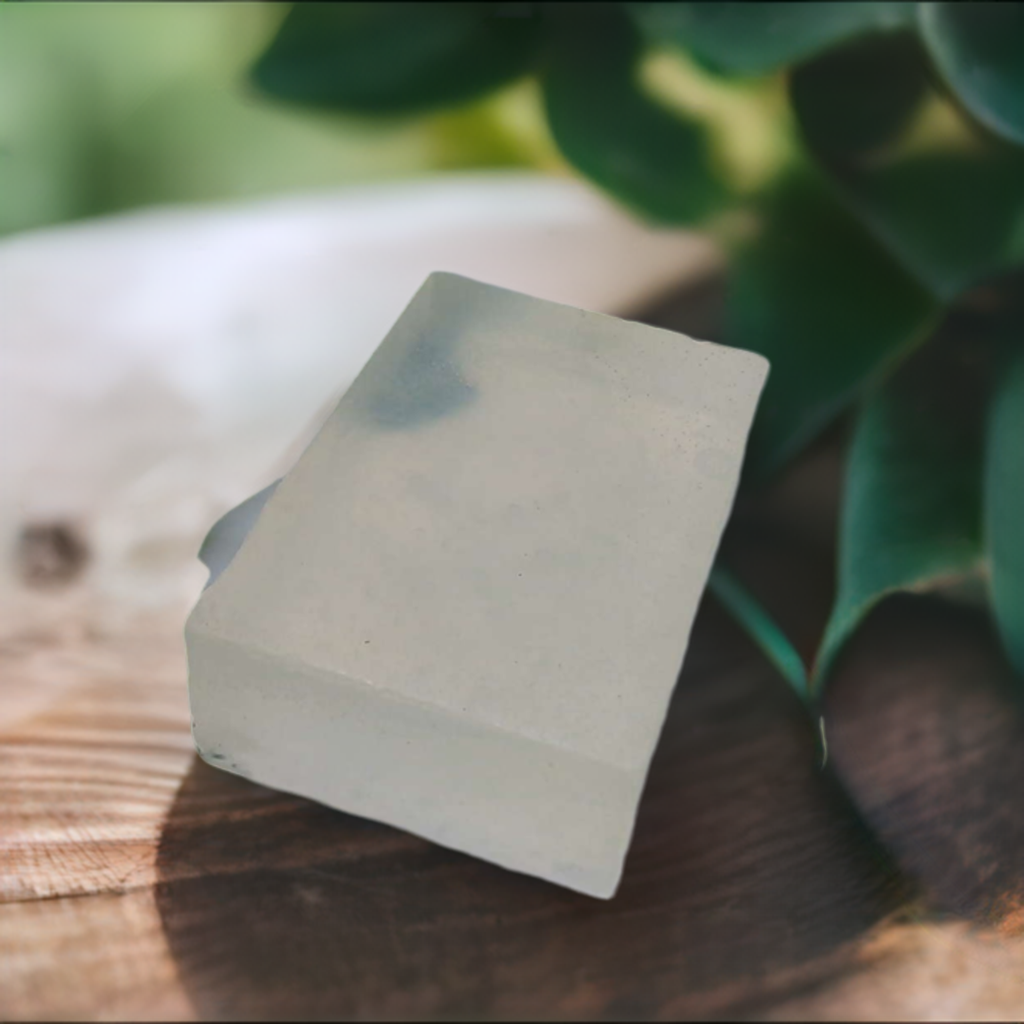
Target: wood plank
{"type": "Point", "coordinates": [97, 957]}
{"type": "Point", "coordinates": [89, 777]}
{"type": "Point", "coordinates": [138, 883]}
{"type": "Point", "coordinates": [748, 880]}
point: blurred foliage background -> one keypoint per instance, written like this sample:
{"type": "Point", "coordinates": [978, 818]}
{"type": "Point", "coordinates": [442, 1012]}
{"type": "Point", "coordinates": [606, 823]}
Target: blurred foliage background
{"type": "Point", "coordinates": [862, 165]}
{"type": "Point", "coordinates": [106, 107]}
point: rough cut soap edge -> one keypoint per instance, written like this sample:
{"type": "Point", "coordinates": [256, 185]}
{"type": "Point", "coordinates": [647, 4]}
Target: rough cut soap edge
{"type": "Point", "coordinates": [622, 819]}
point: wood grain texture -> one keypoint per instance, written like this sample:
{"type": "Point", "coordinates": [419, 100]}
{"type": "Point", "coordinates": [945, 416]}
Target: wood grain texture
{"type": "Point", "coordinates": [928, 736]}
{"type": "Point", "coordinates": [98, 957]}
{"type": "Point", "coordinates": [356, 920]}
{"type": "Point", "coordinates": [753, 889]}
{"type": "Point", "coordinates": [89, 776]}
{"type": "Point", "coordinates": [93, 746]}
{"type": "Point", "coordinates": [138, 883]}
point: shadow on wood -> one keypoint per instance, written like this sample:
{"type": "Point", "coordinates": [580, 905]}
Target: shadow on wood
{"type": "Point", "coordinates": [749, 881]}
{"type": "Point", "coordinates": [928, 737]}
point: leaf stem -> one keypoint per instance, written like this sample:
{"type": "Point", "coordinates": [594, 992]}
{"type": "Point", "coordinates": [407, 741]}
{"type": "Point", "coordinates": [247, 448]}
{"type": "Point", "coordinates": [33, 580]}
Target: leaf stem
{"type": "Point", "coordinates": [763, 630]}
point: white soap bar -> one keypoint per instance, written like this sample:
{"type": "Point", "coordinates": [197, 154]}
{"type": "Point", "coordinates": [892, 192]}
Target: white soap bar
{"type": "Point", "coordinates": [463, 611]}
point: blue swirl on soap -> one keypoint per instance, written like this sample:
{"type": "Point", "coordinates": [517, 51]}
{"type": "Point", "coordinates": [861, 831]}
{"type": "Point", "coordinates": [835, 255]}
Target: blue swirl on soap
{"type": "Point", "coordinates": [425, 384]}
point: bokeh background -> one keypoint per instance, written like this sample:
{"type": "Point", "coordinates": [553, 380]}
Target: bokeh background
{"type": "Point", "coordinates": [108, 108]}
{"type": "Point", "coordinates": [192, 272]}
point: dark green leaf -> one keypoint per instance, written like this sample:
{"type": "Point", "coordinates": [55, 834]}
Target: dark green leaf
{"type": "Point", "coordinates": [949, 207]}
{"type": "Point", "coordinates": [397, 58]}
{"type": "Point", "coordinates": [853, 101]}
{"type": "Point", "coordinates": [979, 47]}
{"type": "Point", "coordinates": [762, 629]}
{"type": "Point", "coordinates": [653, 159]}
{"type": "Point", "coordinates": [911, 516]}
{"type": "Point", "coordinates": [1004, 508]}
{"type": "Point", "coordinates": [829, 308]}
{"type": "Point", "coordinates": [755, 38]}
{"type": "Point", "coordinates": [50, 116]}
{"type": "Point", "coordinates": [953, 218]}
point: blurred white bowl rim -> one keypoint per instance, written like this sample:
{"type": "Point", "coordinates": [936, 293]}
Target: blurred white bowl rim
{"type": "Point", "coordinates": [158, 367]}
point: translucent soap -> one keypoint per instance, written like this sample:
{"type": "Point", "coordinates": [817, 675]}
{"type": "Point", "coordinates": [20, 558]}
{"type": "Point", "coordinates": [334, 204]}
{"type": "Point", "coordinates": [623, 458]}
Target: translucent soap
{"type": "Point", "coordinates": [464, 609]}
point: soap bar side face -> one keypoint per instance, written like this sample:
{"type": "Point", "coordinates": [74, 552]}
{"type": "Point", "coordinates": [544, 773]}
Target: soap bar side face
{"type": "Point", "coordinates": [517, 803]}
{"type": "Point", "coordinates": [509, 517]}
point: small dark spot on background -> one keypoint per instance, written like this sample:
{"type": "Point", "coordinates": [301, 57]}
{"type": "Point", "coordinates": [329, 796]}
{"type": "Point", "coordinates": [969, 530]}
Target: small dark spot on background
{"type": "Point", "coordinates": [50, 554]}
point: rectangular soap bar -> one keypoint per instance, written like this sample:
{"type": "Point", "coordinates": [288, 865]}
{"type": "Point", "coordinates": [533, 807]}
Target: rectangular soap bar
{"type": "Point", "coordinates": [464, 610]}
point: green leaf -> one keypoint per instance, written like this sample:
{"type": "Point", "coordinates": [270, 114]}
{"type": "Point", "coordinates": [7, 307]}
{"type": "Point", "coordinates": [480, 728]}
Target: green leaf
{"type": "Point", "coordinates": [397, 58]}
{"type": "Point", "coordinates": [953, 218]}
{"type": "Point", "coordinates": [762, 629]}
{"type": "Point", "coordinates": [911, 516]}
{"type": "Point", "coordinates": [756, 38]}
{"type": "Point", "coordinates": [1004, 508]}
{"type": "Point", "coordinates": [979, 48]}
{"type": "Point", "coordinates": [198, 142]}
{"type": "Point", "coordinates": [855, 100]}
{"type": "Point", "coordinates": [826, 304]}
{"type": "Point", "coordinates": [49, 129]}
{"type": "Point", "coordinates": [654, 160]}
{"type": "Point", "coordinates": [942, 196]}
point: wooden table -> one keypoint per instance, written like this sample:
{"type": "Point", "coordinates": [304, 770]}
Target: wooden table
{"type": "Point", "coordinates": [138, 883]}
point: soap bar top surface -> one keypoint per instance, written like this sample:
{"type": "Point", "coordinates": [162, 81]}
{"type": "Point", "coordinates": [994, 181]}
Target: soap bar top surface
{"type": "Point", "coordinates": [509, 517]}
